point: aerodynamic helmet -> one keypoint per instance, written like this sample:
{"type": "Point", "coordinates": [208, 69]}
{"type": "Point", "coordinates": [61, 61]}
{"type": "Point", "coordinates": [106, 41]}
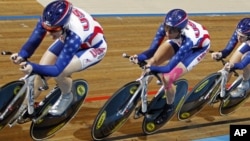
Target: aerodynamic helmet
{"type": "Point", "coordinates": [176, 18]}
{"type": "Point", "coordinates": [56, 14]}
{"type": "Point", "coordinates": [244, 27]}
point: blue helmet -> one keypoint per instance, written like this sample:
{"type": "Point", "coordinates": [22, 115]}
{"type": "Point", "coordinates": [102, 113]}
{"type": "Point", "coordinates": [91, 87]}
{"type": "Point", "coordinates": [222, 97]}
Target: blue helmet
{"type": "Point", "coordinates": [176, 18]}
{"type": "Point", "coordinates": [244, 26]}
{"type": "Point", "coordinates": [57, 13]}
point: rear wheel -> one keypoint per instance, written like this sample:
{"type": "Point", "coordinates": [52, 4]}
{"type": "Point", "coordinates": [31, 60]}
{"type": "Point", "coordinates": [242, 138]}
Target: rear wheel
{"type": "Point", "coordinates": [48, 125]}
{"type": "Point", "coordinates": [156, 107]}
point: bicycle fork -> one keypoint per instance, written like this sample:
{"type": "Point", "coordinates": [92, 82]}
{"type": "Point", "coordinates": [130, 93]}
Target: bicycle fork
{"type": "Point", "coordinates": [144, 101]}
{"type": "Point", "coordinates": [130, 102]}
{"type": "Point", "coordinates": [215, 90]}
{"type": "Point", "coordinates": [30, 94]}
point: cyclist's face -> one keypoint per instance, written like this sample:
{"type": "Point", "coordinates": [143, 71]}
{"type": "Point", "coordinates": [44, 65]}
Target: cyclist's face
{"type": "Point", "coordinates": [55, 32]}
{"type": "Point", "coordinates": [171, 32]}
{"type": "Point", "coordinates": [241, 37]}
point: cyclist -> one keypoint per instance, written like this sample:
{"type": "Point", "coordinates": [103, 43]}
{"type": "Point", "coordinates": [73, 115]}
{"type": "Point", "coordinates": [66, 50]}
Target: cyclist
{"type": "Point", "coordinates": [79, 44]}
{"type": "Point", "coordinates": [180, 42]}
{"type": "Point", "coordinates": [240, 59]}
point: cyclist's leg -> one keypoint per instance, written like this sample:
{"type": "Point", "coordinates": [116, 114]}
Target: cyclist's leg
{"type": "Point", "coordinates": [246, 70]}
{"type": "Point", "coordinates": [235, 58]}
{"type": "Point", "coordinates": [169, 79]}
{"type": "Point", "coordinates": [83, 59]}
{"type": "Point", "coordinates": [244, 87]}
{"type": "Point", "coordinates": [185, 66]}
{"type": "Point", "coordinates": [164, 53]}
{"type": "Point", "coordinates": [48, 58]}
{"type": "Point", "coordinates": [64, 82]}
{"type": "Point", "coordinates": [242, 54]}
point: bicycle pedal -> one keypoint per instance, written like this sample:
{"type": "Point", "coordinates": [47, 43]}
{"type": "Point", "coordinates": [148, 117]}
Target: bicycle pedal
{"type": "Point", "coordinates": [152, 116]}
{"type": "Point", "coordinates": [23, 120]}
{"type": "Point", "coordinates": [215, 100]}
{"type": "Point", "coordinates": [25, 117]}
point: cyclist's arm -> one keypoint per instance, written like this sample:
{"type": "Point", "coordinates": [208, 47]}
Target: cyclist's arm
{"type": "Point", "coordinates": [243, 63]}
{"type": "Point", "coordinates": [230, 45]}
{"type": "Point", "coordinates": [181, 53]}
{"type": "Point", "coordinates": [33, 42]}
{"type": "Point", "coordinates": [159, 36]}
{"type": "Point", "coordinates": [72, 44]}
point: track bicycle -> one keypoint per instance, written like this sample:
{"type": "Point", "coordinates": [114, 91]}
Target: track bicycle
{"type": "Point", "coordinates": [116, 111]}
{"type": "Point", "coordinates": [13, 109]}
{"type": "Point", "coordinates": [213, 88]}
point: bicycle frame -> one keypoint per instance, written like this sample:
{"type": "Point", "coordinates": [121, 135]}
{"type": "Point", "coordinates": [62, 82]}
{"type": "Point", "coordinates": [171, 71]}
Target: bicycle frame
{"type": "Point", "coordinates": [143, 87]}
{"type": "Point", "coordinates": [144, 80]}
{"type": "Point", "coordinates": [223, 80]}
{"type": "Point", "coordinates": [222, 89]}
{"type": "Point", "coordinates": [218, 89]}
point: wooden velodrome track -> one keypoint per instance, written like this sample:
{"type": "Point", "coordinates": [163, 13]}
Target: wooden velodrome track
{"type": "Point", "coordinates": [124, 34]}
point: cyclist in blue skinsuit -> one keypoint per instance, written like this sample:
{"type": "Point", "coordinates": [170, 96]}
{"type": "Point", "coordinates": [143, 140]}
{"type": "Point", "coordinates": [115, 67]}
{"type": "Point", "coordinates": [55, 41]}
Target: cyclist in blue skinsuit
{"type": "Point", "coordinates": [79, 44]}
{"type": "Point", "coordinates": [240, 59]}
{"type": "Point", "coordinates": [181, 42]}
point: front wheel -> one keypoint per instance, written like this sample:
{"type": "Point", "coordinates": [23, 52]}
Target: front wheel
{"type": "Point", "coordinates": [7, 94]}
{"type": "Point", "coordinates": [45, 125]}
{"type": "Point", "coordinates": [109, 120]}
{"type": "Point", "coordinates": [201, 94]}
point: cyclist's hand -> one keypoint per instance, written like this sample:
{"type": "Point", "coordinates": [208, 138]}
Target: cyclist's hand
{"type": "Point", "coordinates": [228, 66]}
{"type": "Point", "coordinates": [26, 68]}
{"type": "Point", "coordinates": [216, 55]}
{"type": "Point", "coordinates": [134, 59]}
{"type": "Point", "coordinates": [16, 59]}
{"type": "Point", "coordinates": [147, 68]}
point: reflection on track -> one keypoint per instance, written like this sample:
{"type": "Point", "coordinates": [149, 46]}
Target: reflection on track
{"type": "Point", "coordinates": [182, 128]}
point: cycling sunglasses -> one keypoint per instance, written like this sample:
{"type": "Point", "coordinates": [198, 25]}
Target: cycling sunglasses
{"type": "Point", "coordinates": [171, 29]}
{"type": "Point", "coordinates": [241, 35]}
{"type": "Point", "coordinates": [51, 28]}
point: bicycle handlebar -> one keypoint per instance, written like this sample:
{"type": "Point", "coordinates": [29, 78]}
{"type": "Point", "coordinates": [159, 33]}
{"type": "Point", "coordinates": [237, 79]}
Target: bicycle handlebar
{"type": "Point", "coordinates": [223, 61]}
{"type": "Point", "coordinates": [6, 53]}
{"type": "Point", "coordinates": [44, 82]}
{"type": "Point", "coordinates": [142, 65]}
